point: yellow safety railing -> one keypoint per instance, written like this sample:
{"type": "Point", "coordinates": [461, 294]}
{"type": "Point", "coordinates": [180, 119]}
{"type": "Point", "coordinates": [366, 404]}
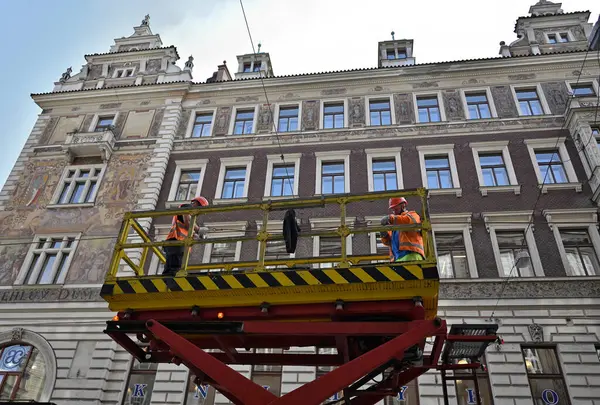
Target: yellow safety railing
{"type": "Point", "coordinates": [132, 229]}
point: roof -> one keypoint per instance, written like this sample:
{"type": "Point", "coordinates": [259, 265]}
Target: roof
{"type": "Point", "coordinates": [320, 73]}
{"type": "Point", "coordinates": [133, 51]}
{"type": "Point", "coordinates": [542, 16]}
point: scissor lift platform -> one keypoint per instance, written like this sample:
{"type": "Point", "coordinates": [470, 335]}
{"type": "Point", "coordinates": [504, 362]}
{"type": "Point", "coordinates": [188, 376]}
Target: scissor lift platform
{"type": "Point", "coordinates": [377, 315]}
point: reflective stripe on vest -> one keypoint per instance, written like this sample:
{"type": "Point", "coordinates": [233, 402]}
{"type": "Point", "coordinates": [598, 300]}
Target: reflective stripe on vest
{"type": "Point", "coordinates": [178, 230]}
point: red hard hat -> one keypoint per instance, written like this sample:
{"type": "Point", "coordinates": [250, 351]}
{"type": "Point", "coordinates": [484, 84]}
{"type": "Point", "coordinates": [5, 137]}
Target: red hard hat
{"type": "Point", "coordinates": [394, 201]}
{"type": "Point", "coordinates": [201, 200]}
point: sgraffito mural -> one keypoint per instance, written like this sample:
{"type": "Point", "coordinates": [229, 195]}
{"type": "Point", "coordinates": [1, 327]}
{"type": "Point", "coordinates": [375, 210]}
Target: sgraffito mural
{"type": "Point", "coordinates": [27, 214]}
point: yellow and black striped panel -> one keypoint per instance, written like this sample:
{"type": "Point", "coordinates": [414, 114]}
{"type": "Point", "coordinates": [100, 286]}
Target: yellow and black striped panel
{"type": "Point", "coordinates": [278, 278]}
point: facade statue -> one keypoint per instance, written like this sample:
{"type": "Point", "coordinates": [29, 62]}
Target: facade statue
{"type": "Point", "coordinates": [190, 63]}
{"type": "Point", "coordinates": [66, 76]}
{"type": "Point", "coordinates": [146, 20]}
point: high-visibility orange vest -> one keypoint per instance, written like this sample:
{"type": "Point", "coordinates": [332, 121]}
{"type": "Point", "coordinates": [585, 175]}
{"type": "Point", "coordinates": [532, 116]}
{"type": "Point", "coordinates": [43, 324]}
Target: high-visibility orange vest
{"type": "Point", "coordinates": [404, 240]}
{"type": "Point", "coordinates": [178, 229]}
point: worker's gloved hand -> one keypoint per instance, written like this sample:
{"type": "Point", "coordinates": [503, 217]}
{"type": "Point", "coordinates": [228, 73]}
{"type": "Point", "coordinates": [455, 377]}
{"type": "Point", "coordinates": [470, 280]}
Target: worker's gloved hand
{"type": "Point", "coordinates": [202, 232]}
{"type": "Point", "coordinates": [385, 220]}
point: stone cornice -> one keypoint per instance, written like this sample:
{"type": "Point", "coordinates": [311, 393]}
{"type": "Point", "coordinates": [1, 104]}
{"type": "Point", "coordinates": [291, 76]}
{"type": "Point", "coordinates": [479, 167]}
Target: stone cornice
{"type": "Point", "coordinates": [535, 288]}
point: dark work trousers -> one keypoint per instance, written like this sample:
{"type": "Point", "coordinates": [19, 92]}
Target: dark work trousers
{"type": "Point", "coordinates": [173, 259]}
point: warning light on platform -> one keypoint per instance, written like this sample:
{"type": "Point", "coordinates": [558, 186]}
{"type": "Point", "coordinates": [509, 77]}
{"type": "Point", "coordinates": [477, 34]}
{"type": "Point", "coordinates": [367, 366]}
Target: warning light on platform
{"type": "Point", "coordinates": [220, 315]}
{"type": "Point", "coordinates": [116, 318]}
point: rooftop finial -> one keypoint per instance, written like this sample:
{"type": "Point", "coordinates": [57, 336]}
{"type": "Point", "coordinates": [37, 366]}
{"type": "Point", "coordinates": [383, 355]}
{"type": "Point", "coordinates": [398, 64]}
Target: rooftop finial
{"type": "Point", "coordinates": [146, 20]}
{"type": "Point", "coordinates": [393, 33]}
{"type": "Point", "coordinates": [259, 45]}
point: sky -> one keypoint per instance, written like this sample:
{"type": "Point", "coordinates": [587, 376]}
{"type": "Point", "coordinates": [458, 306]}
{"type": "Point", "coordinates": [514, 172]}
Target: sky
{"type": "Point", "coordinates": [42, 38]}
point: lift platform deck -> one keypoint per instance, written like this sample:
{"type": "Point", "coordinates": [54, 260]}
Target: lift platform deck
{"type": "Point", "coordinates": [377, 318]}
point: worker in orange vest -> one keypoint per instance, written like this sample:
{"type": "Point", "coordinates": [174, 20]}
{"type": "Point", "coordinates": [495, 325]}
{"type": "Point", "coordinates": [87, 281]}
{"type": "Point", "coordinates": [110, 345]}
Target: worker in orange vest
{"type": "Point", "coordinates": [404, 245]}
{"type": "Point", "coordinates": [179, 231]}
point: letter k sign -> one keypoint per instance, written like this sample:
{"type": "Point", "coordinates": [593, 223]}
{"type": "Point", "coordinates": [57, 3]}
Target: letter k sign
{"type": "Point", "coordinates": [138, 390]}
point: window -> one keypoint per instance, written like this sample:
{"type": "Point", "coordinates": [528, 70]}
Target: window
{"type": "Point", "coordinates": [545, 376]}
{"type": "Point", "coordinates": [428, 109]}
{"type": "Point", "coordinates": [333, 115]}
{"type": "Point", "coordinates": [244, 121]}
{"type": "Point", "coordinates": [288, 119]}
{"type": "Point", "coordinates": [583, 90]}
{"type": "Point", "coordinates": [493, 169]}
{"type": "Point", "coordinates": [48, 260]}
{"type": "Point", "coordinates": [22, 373]}
{"type": "Point", "coordinates": [384, 169]}
{"type": "Point", "coordinates": [247, 67]}
{"type": "Point", "coordinates": [384, 175]}
{"type": "Point", "coordinates": [268, 376]}
{"type": "Point", "coordinates": [551, 167]}
{"type": "Point", "coordinates": [409, 395]}
{"type": "Point", "coordinates": [438, 172]}
{"type": "Point", "coordinates": [282, 181]}
{"type": "Point", "coordinates": [329, 246]}
{"type": "Point", "coordinates": [140, 383]}
{"type": "Point", "coordinates": [390, 53]}
{"type": "Point", "coordinates": [202, 125]}
{"type": "Point", "coordinates": [380, 112]}
{"type": "Point", "coordinates": [199, 394]}
{"type": "Point", "coordinates": [438, 169]}
{"type": "Point", "coordinates": [552, 38]}
{"type": "Point", "coordinates": [596, 134]}
{"type": "Point", "coordinates": [478, 106]}
{"type": "Point", "coordinates": [580, 252]}
{"type": "Point", "coordinates": [563, 37]}
{"type": "Point", "coordinates": [510, 244]}
{"type": "Point", "coordinates": [187, 180]}
{"type": "Point", "coordinates": [276, 250]}
{"type": "Point", "coordinates": [451, 255]}
{"type": "Point", "coordinates": [234, 178]}
{"type": "Point", "coordinates": [223, 252]}
{"type": "Point", "coordinates": [465, 385]}
{"type": "Point", "coordinates": [529, 102]}
{"type": "Point", "coordinates": [235, 182]}
{"type": "Point", "coordinates": [104, 123]}
{"type": "Point", "coordinates": [79, 184]}
{"type": "Point", "coordinates": [257, 66]}
{"type": "Point", "coordinates": [124, 72]}
{"type": "Point", "coordinates": [282, 175]}
{"type": "Point", "coordinates": [332, 177]}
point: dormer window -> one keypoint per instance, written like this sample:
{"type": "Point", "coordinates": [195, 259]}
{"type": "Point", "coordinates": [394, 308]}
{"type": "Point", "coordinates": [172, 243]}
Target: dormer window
{"type": "Point", "coordinates": [124, 72]}
{"type": "Point", "coordinates": [247, 67]}
{"type": "Point", "coordinates": [396, 53]}
{"type": "Point", "coordinates": [551, 38]}
{"type": "Point", "coordinates": [256, 67]}
{"type": "Point", "coordinates": [558, 37]}
{"type": "Point", "coordinates": [563, 37]}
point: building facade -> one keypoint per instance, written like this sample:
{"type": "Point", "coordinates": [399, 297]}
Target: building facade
{"type": "Point", "coordinates": [507, 146]}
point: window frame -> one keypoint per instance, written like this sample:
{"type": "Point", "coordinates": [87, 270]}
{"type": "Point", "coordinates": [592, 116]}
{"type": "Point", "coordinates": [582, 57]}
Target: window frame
{"type": "Point", "coordinates": [435, 150]}
{"type": "Point", "coordinates": [233, 162]}
{"type": "Point", "coordinates": [318, 223]}
{"type": "Point", "coordinates": [513, 221]}
{"type": "Point", "coordinates": [389, 153]}
{"type": "Point", "coordinates": [190, 126]}
{"type": "Point", "coordinates": [592, 82]}
{"type": "Point", "coordinates": [272, 161]}
{"type": "Point", "coordinates": [488, 95]}
{"type": "Point", "coordinates": [583, 218]}
{"type": "Point", "coordinates": [54, 202]}
{"type": "Point", "coordinates": [557, 36]}
{"type": "Point", "coordinates": [440, 99]}
{"type": "Point", "coordinates": [131, 371]}
{"type": "Point", "coordinates": [541, 97]}
{"type": "Point", "coordinates": [234, 112]}
{"type": "Point", "coordinates": [24, 270]}
{"type": "Point", "coordinates": [92, 127]}
{"type": "Point", "coordinates": [230, 233]}
{"type": "Point", "coordinates": [272, 227]}
{"type": "Point", "coordinates": [334, 101]}
{"type": "Point", "coordinates": [325, 157]}
{"type": "Point", "coordinates": [553, 143]}
{"type": "Point", "coordinates": [182, 165]}
{"type": "Point", "coordinates": [548, 376]}
{"type": "Point", "coordinates": [368, 100]}
{"type": "Point", "coordinates": [276, 110]}
{"type": "Point", "coordinates": [457, 222]}
{"type": "Point", "coordinates": [497, 147]}
{"type": "Point", "coordinates": [118, 73]}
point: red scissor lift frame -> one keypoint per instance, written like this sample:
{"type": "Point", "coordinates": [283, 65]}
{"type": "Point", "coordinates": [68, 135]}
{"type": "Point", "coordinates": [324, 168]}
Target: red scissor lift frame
{"type": "Point", "coordinates": [371, 338]}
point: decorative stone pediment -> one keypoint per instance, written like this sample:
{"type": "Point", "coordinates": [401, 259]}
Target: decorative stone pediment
{"type": "Point", "coordinates": [89, 144]}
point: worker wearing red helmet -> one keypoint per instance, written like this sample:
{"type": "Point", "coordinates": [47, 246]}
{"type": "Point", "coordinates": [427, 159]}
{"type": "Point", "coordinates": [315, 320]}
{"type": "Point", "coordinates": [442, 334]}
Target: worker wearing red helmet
{"type": "Point", "coordinates": [179, 231]}
{"type": "Point", "coordinates": [404, 245]}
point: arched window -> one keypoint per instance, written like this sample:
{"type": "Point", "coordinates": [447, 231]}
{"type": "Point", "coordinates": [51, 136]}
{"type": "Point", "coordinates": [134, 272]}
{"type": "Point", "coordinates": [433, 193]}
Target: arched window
{"type": "Point", "coordinates": [27, 367]}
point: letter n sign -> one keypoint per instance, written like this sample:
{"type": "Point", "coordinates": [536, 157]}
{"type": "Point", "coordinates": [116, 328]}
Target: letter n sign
{"type": "Point", "coordinates": [201, 391]}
